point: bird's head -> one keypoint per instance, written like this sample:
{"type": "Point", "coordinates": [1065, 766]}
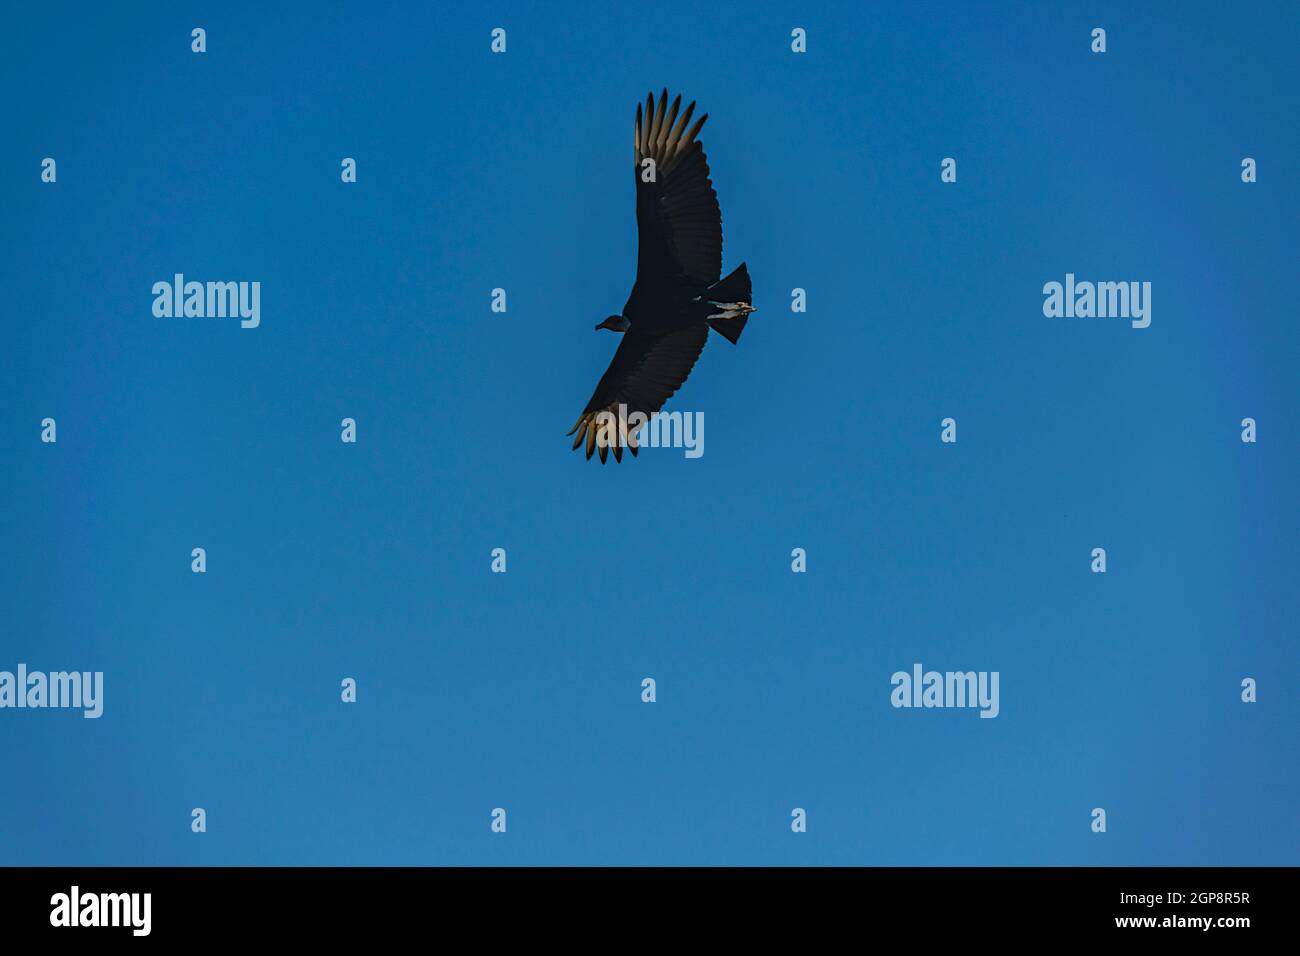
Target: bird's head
{"type": "Point", "coordinates": [615, 323]}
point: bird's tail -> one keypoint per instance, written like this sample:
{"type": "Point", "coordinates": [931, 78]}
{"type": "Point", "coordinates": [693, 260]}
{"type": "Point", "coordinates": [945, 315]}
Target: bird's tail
{"type": "Point", "coordinates": [729, 304]}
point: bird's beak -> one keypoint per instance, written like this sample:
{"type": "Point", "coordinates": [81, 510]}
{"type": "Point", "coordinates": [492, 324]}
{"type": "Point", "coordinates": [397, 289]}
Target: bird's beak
{"type": "Point", "coordinates": [599, 327]}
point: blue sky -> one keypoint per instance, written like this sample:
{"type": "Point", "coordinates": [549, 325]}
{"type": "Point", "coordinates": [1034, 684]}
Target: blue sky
{"type": "Point", "coordinates": [522, 690]}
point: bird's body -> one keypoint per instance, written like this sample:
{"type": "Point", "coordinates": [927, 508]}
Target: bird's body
{"type": "Point", "coordinates": [678, 294]}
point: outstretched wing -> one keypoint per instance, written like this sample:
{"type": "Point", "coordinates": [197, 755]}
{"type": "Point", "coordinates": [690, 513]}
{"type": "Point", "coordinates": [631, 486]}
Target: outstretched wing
{"type": "Point", "coordinates": [679, 224]}
{"type": "Point", "coordinates": [645, 372]}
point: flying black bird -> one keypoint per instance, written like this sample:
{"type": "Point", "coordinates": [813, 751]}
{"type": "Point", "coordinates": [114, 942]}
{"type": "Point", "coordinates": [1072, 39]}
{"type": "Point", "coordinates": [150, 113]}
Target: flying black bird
{"type": "Point", "coordinates": [677, 296]}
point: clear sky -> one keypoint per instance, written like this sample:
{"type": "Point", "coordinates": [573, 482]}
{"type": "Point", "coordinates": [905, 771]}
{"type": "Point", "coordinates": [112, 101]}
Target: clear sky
{"type": "Point", "coordinates": [371, 560]}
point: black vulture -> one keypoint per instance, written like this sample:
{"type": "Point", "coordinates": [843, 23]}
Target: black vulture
{"type": "Point", "coordinates": [677, 296]}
